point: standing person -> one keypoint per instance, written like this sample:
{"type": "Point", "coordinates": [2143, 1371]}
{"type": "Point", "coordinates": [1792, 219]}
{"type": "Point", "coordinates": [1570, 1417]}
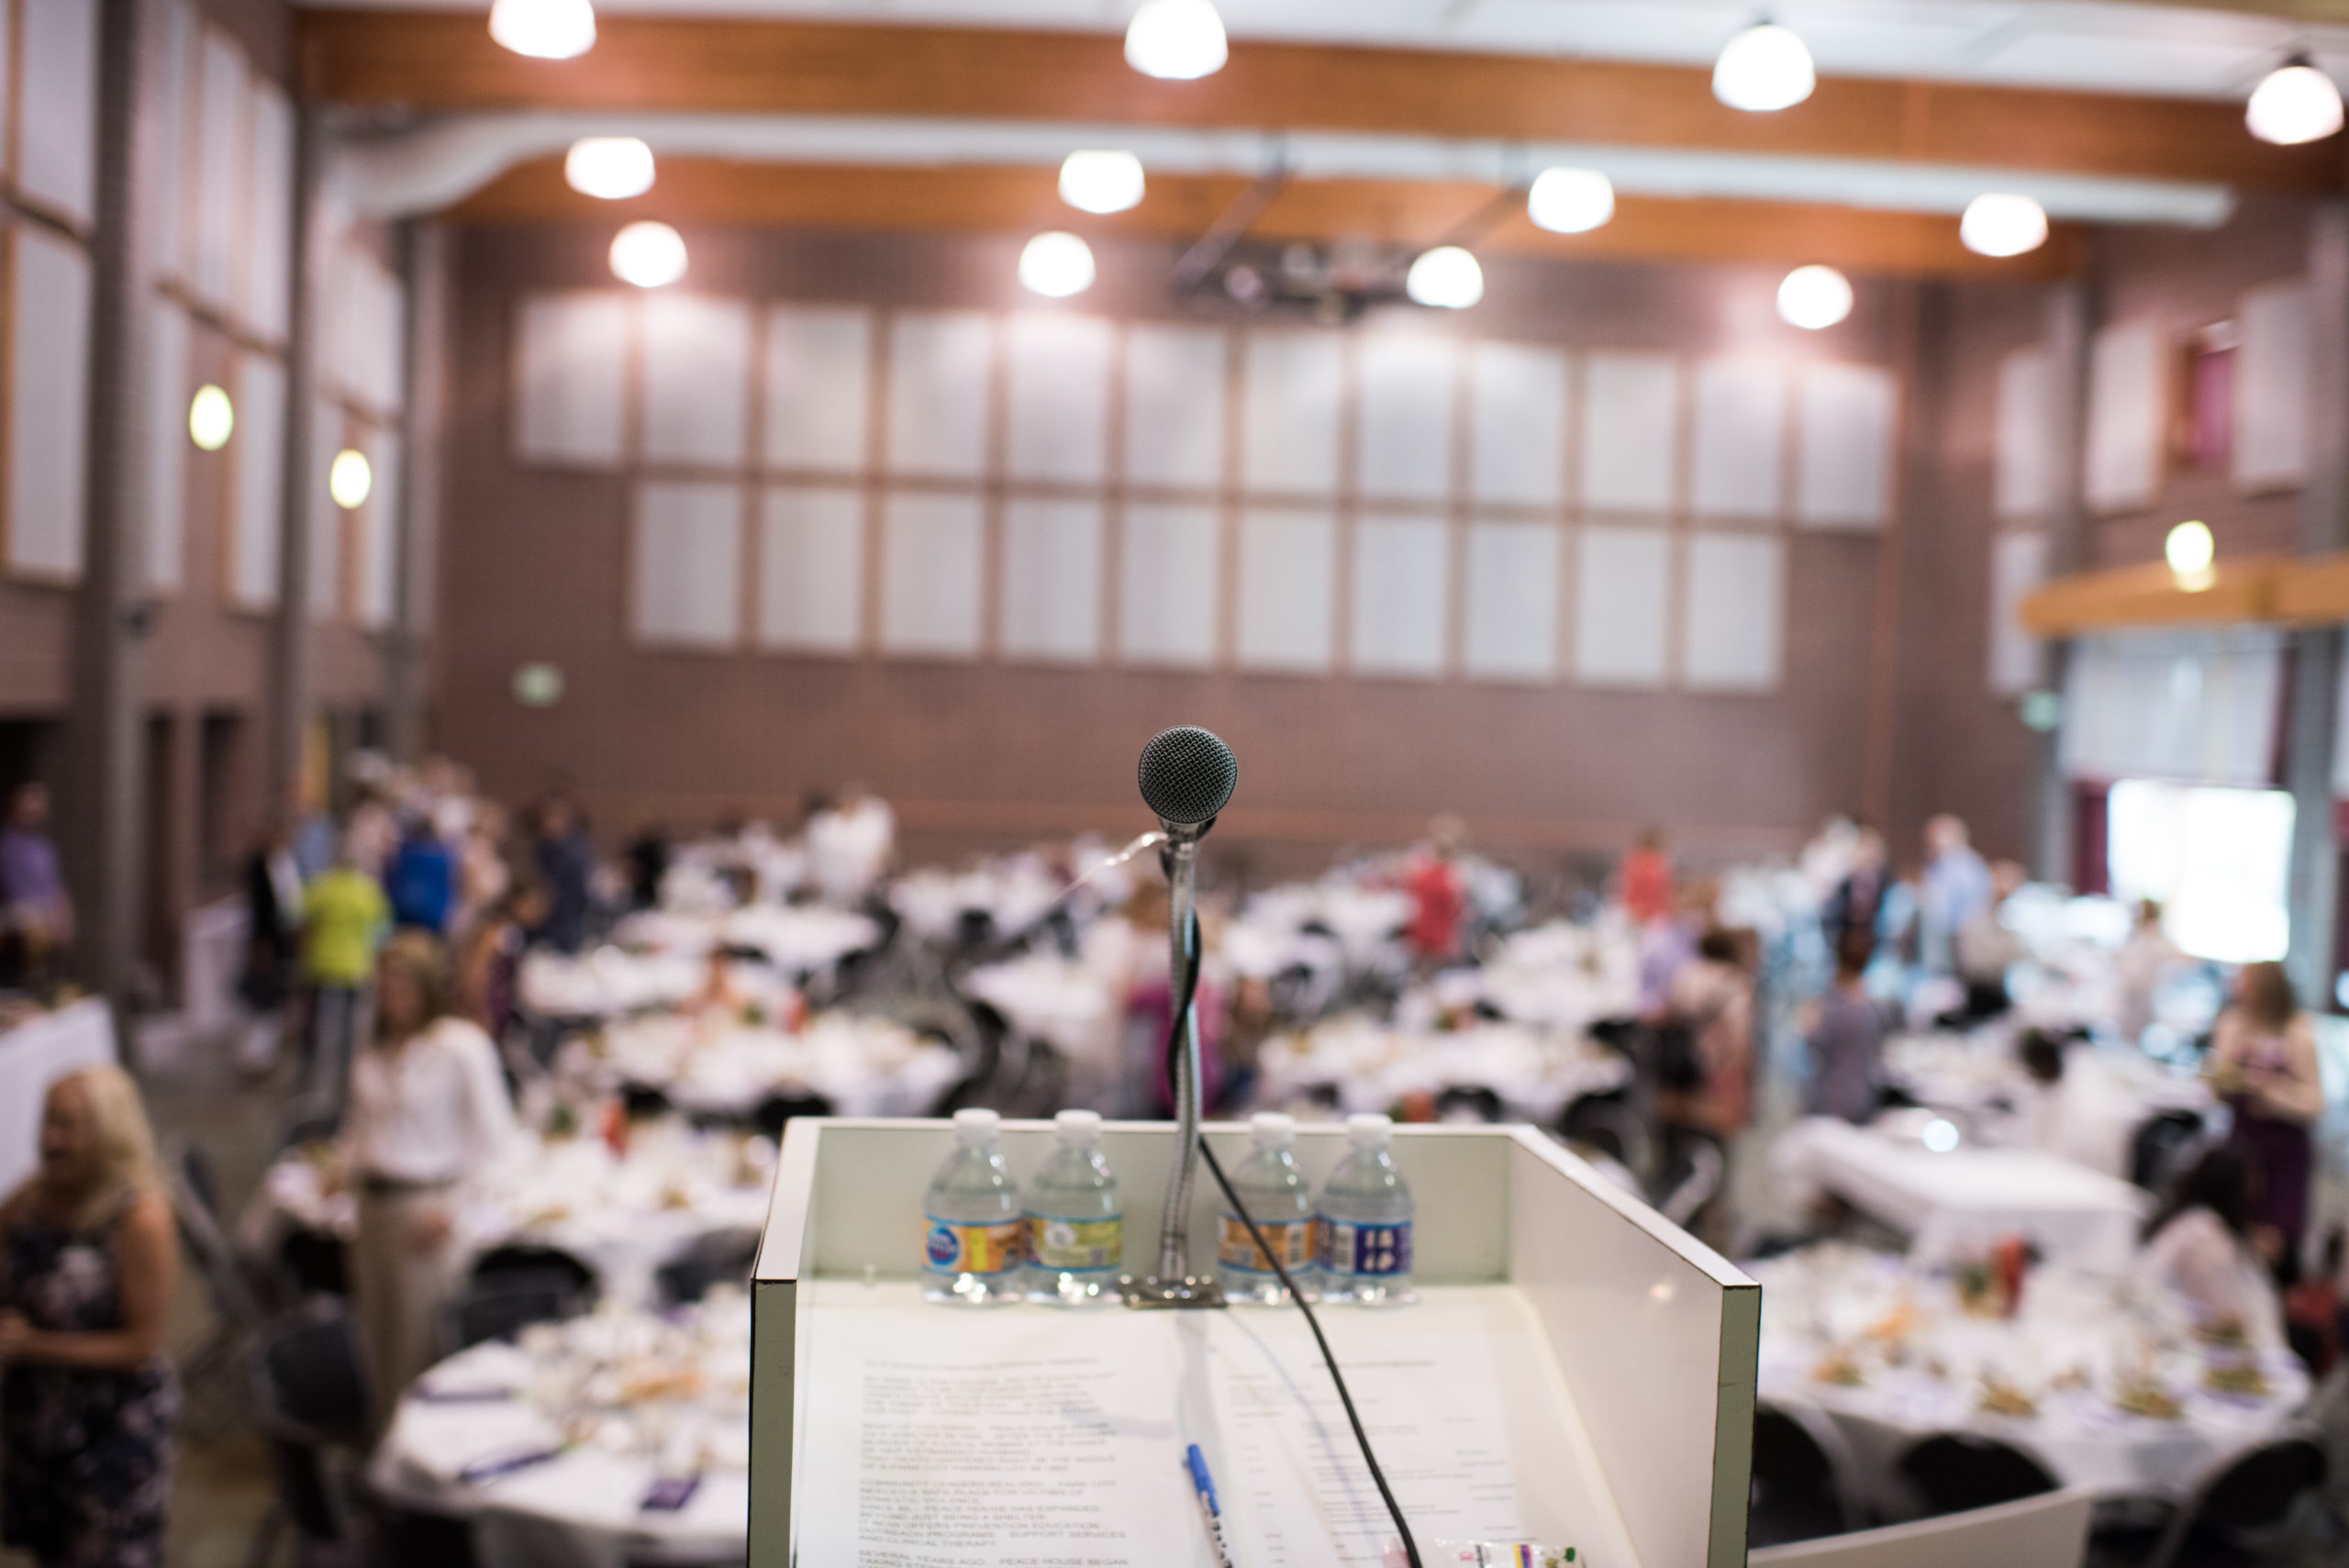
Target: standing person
{"type": "Point", "coordinates": [273, 945]}
{"type": "Point", "coordinates": [429, 1113]}
{"type": "Point", "coordinates": [489, 969]}
{"type": "Point", "coordinates": [422, 881]}
{"type": "Point", "coordinates": [1847, 1040]}
{"type": "Point", "coordinates": [1643, 882]}
{"type": "Point", "coordinates": [1439, 894]}
{"type": "Point", "coordinates": [344, 915]}
{"type": "Point", "coordinates": [648, 863]}
{"type": "Point", "coordinates": [2262, 1063]}
{"type": "Point", "coordinates": [88, 1400]}
{"type": "Point", "coordinates": [849, 844]}
{"type": "Point", "coordinates": [1857, 902]}
{"type": "Point", "coordinates": [35, 907]}
{"type": "Point", "coordinates": [1986, 946]}
{"type": "Point", "coordinates": [567, 870]}
{"type": "Point", "coordinates": [2146, 962]}
{"type": "Point", "coordinates": [1706, 1089]}
{"type": "Point", "coordinates": [1957, 884]}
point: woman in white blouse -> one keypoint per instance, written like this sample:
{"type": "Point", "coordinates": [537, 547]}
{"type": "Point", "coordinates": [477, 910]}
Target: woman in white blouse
{"type": "Point", "coordinates": [2198, 1253]}
{"type": "Point", "coordinates": [429, 1115]}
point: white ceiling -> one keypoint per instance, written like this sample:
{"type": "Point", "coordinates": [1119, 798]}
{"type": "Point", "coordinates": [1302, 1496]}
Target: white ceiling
{"type": "Point", "coordinates": [2041, 43]}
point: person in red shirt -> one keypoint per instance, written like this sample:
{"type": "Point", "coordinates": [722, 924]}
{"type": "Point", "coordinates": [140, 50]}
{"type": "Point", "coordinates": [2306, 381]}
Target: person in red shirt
{"type": "Point", "coordinates": [1439, 893]}
{"type": "Point", "coordinates": [1643, 882]}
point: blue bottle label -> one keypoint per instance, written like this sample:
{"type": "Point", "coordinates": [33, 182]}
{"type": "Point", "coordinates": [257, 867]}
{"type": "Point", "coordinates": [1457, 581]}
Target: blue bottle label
{"type": "Point", "coordinates": [1368, 1251]}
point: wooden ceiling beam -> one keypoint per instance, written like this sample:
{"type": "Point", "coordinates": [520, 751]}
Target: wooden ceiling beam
{"type": "Point", "coordinates": [444, 61]}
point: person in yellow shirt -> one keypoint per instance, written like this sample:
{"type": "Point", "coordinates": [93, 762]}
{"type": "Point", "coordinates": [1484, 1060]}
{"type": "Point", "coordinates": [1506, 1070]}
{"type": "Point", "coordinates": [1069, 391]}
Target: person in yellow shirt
{"type": "Point", "coordinates": [345, 919]}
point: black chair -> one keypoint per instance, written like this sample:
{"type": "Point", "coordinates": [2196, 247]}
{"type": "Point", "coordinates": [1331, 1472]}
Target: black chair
{"type": "Point", "coordinates": [208, 1375]}
{"type": "Point", "coordinates": [1468, 1102]}
{"type": "Point", "coordinates": [723, 1257]}
{"type": "Point", "coordinates": [2245, 1497]}
{"type": "Point", "coordinates": [2161, 1148]}
{"type": "Point", "coordinates": [1800, 1488]}
{"type": "Point", "coordinates": [643, 1102]}
{"type": "Point", "coordinates": [310, 1394]}
{"type": "Point", "coordinates": [1956, 1471]}
{"type": "Point", "coordinates": [775, 1112]}
{"type": "Point", "coordinates": [1609, 1124]}
{"type": "Point", "coordinates": [499, 1310]}
{"type": "Point", "coordinates": [520, 1263]}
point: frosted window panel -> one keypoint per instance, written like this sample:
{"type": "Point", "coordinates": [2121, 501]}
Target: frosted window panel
{"type": "Point", "coordinates": [818, 388]}
{"type": "Point", "coordinates": [938, 376]}
{"type": "Point", "coordinates": [931, 561]}
{"type": "Point", "coordinates": [1403, 420]}
{"type": "Point", "coordinates": [2194, 707]}
{"type": "Point", "coordinates": [326, 521]}
{"type": "Point", "coordinates": [2025, 457]}
{"type": "Point", "coordinates": [1288, 572]}
{"type": "Point", "coordinates": [217, 202]}
{"type": "Point", "coordinates": [2125, 388]}
{"type": "Point", "coordinates": [370, 351]}
{"type": "Point", "coordinates": [268, 273]}
{"type": "Point", "coordinates": [1168, 570]}
{"type": "Point", "coordinates": [697, 378]}
{"type": "Point", "coordinates": [1848, 428]}
{"type": "Point", "coordinates": [1516, 432]}
{"type": "Point", "coordinates": [1058, 376]}
{"type": "Point", "coordinates": [57, 117]}
{"type": "Point", "coordinates": [1630, 432]}
{"type": "Point", "coordinates": [48, 382]}
{"type": "Point", "coordinates": [172, 99]}
{"type": "Point", "coordinates": [688, 563]}
{"type": "Point", "coordinates": [380, 525]}
{"type": "Point", "coordinates": [1052, 580]}
{"type": "Point", "coordinates": [1741, 437]}
{"type": "Point", "coordinates": [1402, 589]}
{"type": "Point", "coordinates": [1294, 382]}
{"type": "Point", "coordinates": [1174, 406]}
{"type": "Point", "coordinates": [2017, 566]}
{"type": "Point", "coordinates": [1512, 630]}
{"type": "Point", "coordinates": [1622, 591]}
{"type": "Point", "coordinates": [167, 397]}
{"type": "Point", "coordinates": [2271, 412]}
{"type": "Point", "coordinates": [571, 375]}
{"type": "Point", "coordinates": [1732, 631]}
{"type": "Point", "coordinates": [257, 480]}
{"type": "Point", "coordinates": [811, 569]}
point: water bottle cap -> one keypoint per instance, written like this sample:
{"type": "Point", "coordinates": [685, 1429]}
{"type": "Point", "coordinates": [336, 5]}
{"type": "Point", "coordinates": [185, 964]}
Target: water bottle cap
{"type": "Point", "coordinates": [1368, 1130]}
{"type": "Point", "coordinates": [1078, 1127]}
{"type": "Point", "coordinates": [976, 1124]}
{"type": "Point", "coordinates": [1274, 1130]}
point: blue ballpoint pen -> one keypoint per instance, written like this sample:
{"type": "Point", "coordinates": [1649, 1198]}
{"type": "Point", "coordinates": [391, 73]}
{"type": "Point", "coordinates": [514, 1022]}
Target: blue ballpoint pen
{"type": "Point", "coordinates": [1204, 1484]}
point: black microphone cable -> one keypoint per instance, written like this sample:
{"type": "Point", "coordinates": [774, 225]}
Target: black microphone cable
{"type": "Point", "coordinates": [1215, 1169]}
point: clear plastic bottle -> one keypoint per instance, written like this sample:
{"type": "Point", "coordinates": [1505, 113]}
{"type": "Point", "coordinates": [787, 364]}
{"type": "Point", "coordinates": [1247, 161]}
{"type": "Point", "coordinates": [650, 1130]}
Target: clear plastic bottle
{"type": "Point", "coordinates": [1276, 1197]}
{"type": "Point", "coordinates": [1076, 1223]}
{"type": "Point", "coordinates": [973, 1241]}
{"type": "Point", "coordinates": [1365, 1221]}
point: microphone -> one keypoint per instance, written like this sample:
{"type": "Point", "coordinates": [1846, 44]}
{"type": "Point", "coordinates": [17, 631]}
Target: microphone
{"type": "Point", "coordinates": [1187, 776]}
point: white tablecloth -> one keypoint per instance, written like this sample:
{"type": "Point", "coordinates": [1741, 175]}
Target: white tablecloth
{"type": "Point", "coordinates": [1537, 1073]}
{"type": "Point", "coordinates": [34, 1055]}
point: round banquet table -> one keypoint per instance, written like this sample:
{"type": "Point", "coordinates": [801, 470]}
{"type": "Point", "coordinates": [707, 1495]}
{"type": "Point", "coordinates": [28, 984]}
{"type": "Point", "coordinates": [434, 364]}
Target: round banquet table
{"type": "Point", "coordinates": [862, 1065]}
{"type": "Point", "coordinates": [1373, 1066]}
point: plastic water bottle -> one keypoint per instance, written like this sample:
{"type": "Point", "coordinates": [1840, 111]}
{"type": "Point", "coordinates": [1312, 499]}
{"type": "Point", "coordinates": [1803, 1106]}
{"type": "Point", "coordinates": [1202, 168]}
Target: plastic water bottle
{"type": "Point", "coordinates": [1076, 1223]}
{"type": "Point", "coordinates": [1274, 1192]}
{"type": "Point", "coordinates": [973, 1242]}
{"type": "Point", "coordinates": [1365, 1221]}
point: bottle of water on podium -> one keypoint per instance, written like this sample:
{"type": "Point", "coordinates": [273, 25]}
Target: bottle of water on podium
{"type": "Point", "coordinates": [1274, 1192]}
{"type": "Point", "coordinates": [1076, 1225]}
{"type": "Point", "coordinates": [1365, 1221]}
{"type": "Point", "coordinates": [973, 1241]}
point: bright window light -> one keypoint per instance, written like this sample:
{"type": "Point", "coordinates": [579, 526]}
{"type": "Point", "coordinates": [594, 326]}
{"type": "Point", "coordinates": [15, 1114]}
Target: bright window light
{"type": "Point", "coordinates": [1814, 297]}
{"type": "Point", "coordinates": [1101, 181]}
{"type": "Point", "coordinates": [350, 478]}
{"type": "Point", "coordinates": [211, 418]}
{"type": "Point", "coordinates": [1570, 201]}
{"type": "Point", "coordinates": [648, 255]}
{"type": "Point", "coordinates": [2294, 102]}
{"type": "Point", "coordinates": [2217, 859]}
{"type": "Point", "coordinates": [611, 167]}
{"type": "Point", "coordinates": [1056, 265]}
{"type": "Point", "coordinates": [1447, 278]}
{"type": "Point", "coordinates": [1763, 68]}
{"type": "Point", "coordinates": [1177, 40]}
{"type": "Point", "coordinates": [544, 29]}
{"type": "Point", "coordinates": [2190, 549]}
{"type": "Point", "coordinates": [1999, 223]}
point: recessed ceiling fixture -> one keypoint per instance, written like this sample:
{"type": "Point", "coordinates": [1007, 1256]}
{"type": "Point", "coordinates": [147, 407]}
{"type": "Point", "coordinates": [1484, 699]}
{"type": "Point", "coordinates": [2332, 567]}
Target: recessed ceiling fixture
{"type": "Point", "coordinates": [544, 29]}
{"type": "Point", "coordinates": [1179, 40]}
{"type": "Point", "coordinates": [1999, 223]}
{"type": "Point", "coordinates": [211, 418]}
{"type": "Point", "coordinates": [1101, 181]}
{"type": "Point", "coordinates": [350, 479]}
{"type": "Point", "coordinates": [1447, 278]}
{"type": "Point", "coordinates": [1763, 68]}
{"type": "Point", "coordinates": [2191, 551]}
{"type": "Point", "coordinates": [611, 167]}
{"type": "Point", "coordinates": [1056, 264]}
{"type": "Point", "coordinates": [1570, 201]}
{"type": "Point", "coordinates": [2294, 102]}
{"type": "Point", "coordinates": [648, 255]}
{"type": "Point", "coordinates": [1814, 297]}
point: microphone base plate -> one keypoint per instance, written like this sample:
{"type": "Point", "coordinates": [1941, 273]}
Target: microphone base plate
{"type": "Point", "coordinates": [1191, 1292]}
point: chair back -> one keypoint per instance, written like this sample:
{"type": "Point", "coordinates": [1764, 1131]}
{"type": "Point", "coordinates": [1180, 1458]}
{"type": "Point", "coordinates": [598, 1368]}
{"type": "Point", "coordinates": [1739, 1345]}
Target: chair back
{"type": "Point", "coordinates": [503, 1308]}
{"type": "Point", "coordinates": [518, 1263]}
{"type": "Point", "coordinates": [310, 1381]}
{"type": "Point", "coordinates": [1957, 1471]}
{"type": "Point", "coordinates": [187, 1178]}
{"type": "Point", "coordinates": [1801, 1478]}
{"type": "Point", "coordinates": [2161, 1147]}
{"type": "Point", "coordinates": [723, 1257]}
{"type": "Point", "coordinates": [2247, 1493]}
{"type": "Point", "coordinates": [775, 1112]}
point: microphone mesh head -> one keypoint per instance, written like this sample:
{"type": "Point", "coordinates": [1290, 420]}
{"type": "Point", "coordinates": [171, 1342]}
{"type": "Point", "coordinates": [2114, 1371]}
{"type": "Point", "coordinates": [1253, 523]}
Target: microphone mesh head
{"type": "Point", "coordinates": [1187, 775]}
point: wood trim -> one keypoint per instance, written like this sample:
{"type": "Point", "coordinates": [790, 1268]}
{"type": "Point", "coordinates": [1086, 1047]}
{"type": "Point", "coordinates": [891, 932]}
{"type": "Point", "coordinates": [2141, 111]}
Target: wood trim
{"type": "Point", "coordinates": [2151, 596]}
{"type": "Point", "coordinates": [2314, 591]}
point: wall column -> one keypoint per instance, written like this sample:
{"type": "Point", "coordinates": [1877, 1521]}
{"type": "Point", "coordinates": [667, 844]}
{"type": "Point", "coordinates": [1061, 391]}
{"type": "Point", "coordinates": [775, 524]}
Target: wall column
{"type": "Point", "coordinates": [289, 641]}
{"type": "Point", "coordinates": [424, 260]}
{"type": "Point", "coordinates": [2072, 308]}
{"type": "Point", "coordinates": [2316, 651]}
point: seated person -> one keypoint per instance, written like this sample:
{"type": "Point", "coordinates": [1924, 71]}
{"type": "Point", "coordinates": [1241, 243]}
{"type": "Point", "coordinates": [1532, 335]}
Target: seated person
{"type": "Point", "coordinates": [2198, 1252]}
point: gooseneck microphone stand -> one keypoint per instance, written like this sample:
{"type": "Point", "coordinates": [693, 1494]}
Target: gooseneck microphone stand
{"type": "Point", "coordinates": [1174, 1284]}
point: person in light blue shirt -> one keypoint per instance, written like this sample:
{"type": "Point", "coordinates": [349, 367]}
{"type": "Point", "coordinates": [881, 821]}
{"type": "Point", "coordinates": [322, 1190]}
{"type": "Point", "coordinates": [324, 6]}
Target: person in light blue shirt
{"type": "Point", "coordinates": [1956, 886]}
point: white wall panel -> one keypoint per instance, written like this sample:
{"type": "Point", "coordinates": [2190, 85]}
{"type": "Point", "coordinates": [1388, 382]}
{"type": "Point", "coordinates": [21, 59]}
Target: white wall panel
{"type": "Point", "coordinates": [49, 384]}
{"type": "Point", "coordinates": [1622, 600]}
{"type": "Point", "coordinates": [2025, 455]}
{"type": "Point", "coordinates": [1517, 433]}
{"type": "Point", "coordinates": [940, 378]}
{"type": "Point", "coordinates": [1175, 397]}
{"type": "Point", "coordinates": [1403, 428]}
{"type": "Point", "coordinates": [1732, 628]}
{"type": "Point", "coordinates": [1052, 580]}
{"type": "Point", "coordinates": [2271, 412]}
{"type": "Point", "coordinates": [1057, 381]}
{"type": "Point", "coordinates": [1849, 424]}
{"type": "Point", "coordinates": [1740, 437]}
{"type": "Point", "coordinates": [819, 392]}
{"type": "Point", "coordinates": [369, 352]}
{"type": "Point", "coordinates": [1168, 569]}
{"type": "Point", "coordinates": [168, 391]}
{"type": "Point", "coordinates": [1294, 385]}
{"type": "Point", "coordinates": [688, 563]}
{"type": "Point", "coordinates": [2189, 707]}
{"type": "Point", "coordinates": [2018, 565]}
{"type": "Point", "coordinates": [696, 361]}
{"type": "Point", "coordinates": [257, 482]}
{"type": "Point", "coordinates": [57, 119]}
{"type": "Point", "coordinates": [1402, 594]}
{"type": "Point", "coordinates": [2125, 403]}
{"type": "Point", "coordinates": [264, 289]}
{"type": "Point", "coordinates": [219, 202]}
{"type": "Point", "coordinates": [1630, 432]}
{"type": "Point", "coordinates": [380, 521]}
{"type": "Point", "coordinates": [1513, 576]}
{"type": "Point", "coordinates": [1287, 589]}
{"type": "Point", "coordinates": [811, 568]}
{"type": "Point", "coordinates": [174, 97]}
{"type": "Point", "coordinates": [571, 378]}
{"type": "Point", "coordinates": [930, 566]}
{"type": "Point", "coordinates": [328, 523]}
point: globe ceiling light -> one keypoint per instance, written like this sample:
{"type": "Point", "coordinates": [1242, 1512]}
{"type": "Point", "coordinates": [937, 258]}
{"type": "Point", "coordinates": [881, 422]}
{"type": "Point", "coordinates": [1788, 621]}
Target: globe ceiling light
{"type": "Point", "coordinates": [211, 418]}
{"type": "Point", "coordinates": [1176, 40]}
{"type": "Point", "coordinates": [610, 167]}
{"type": "Point", "coordinates": [1763, 68]}
{"type": "Point", "coordinates": [544, 29]}
{"type": "Point", "coordinates": [648, 255]}
{"type": "Point", "coordinates": [1999, 223]}
{"type": "Point", "coordinates": [1570, 201]}
{"type": "Point", "coordinates": [1446, 278]}
{"type": "Point", "coordinates": [1101, 181]}
{"type": "Point", "coordinates": [1814, 297]}
{"type": "Point", "coordinates": [2190, 551]}
{"type": "Point", "coordinates": [2294, 102]}
{"type": "Point", "coordinates": [1056, 264]}
{"type": "Point", "coordinates": [350, 478]}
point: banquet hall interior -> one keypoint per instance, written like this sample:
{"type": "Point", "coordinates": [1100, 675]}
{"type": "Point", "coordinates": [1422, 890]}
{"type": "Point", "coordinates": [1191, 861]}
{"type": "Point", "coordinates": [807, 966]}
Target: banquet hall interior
{"type": "Point", "coordinates": [581, 588]}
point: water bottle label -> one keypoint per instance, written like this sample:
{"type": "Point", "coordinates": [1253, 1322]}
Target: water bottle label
{"type": "Point", "coordinates": [1291, 1241]}
{"type": "Point", "coordinates": [1077, 1246]}
{"type": "Point", "coordinates": [953, 1248]}
{"type": "Point", "coordinates": [1370, 1251]}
